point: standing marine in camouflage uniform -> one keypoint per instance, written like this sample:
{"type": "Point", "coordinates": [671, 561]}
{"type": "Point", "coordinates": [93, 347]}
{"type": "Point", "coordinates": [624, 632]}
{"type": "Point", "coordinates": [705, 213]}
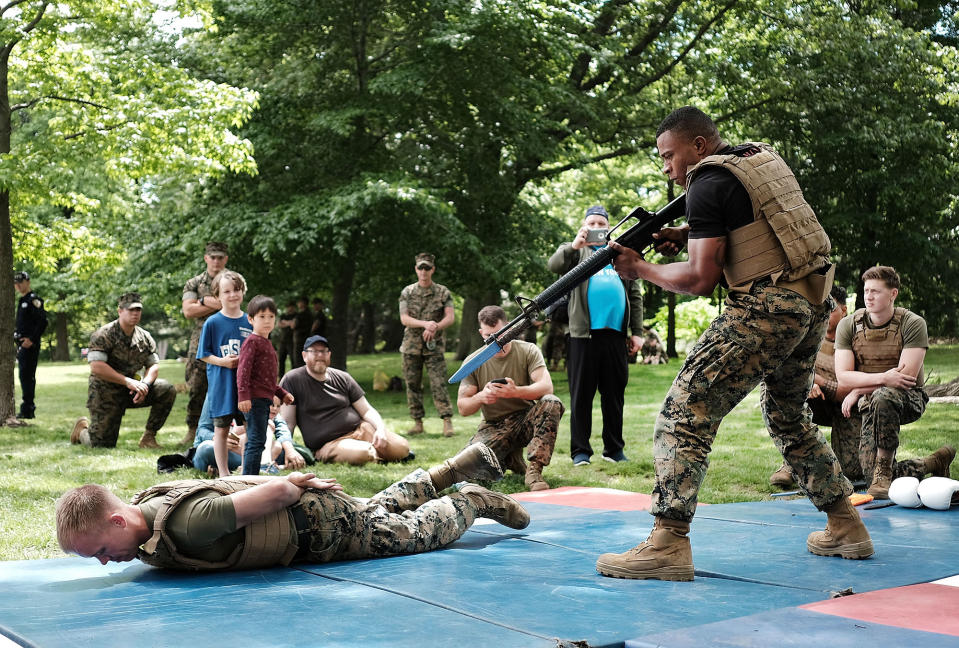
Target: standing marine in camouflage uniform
{"type": "Point", "coordinates": [879, 354]}
{"type": "Point", "coordinates": [515, 393]}
{"type": "Point", "coordinates": [198, 304]}
{"type": "Point", "coordinates": [747, 221]}
{"type": "Point", "coordinates": [253, 522]}
{"type": "Point", "coordinates": [426, 308]}
{"type": "Point", "coordinates": [118, 352]}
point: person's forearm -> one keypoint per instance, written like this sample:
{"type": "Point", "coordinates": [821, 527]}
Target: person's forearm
{"type": "Point", "coordinates": [103, 371]}
{"type": "Point", "coordinates": [152, 373]}
{"type": "Point", "coordinates": [850, 380]}
{"type": "Point", "coordinates": [468, 405]}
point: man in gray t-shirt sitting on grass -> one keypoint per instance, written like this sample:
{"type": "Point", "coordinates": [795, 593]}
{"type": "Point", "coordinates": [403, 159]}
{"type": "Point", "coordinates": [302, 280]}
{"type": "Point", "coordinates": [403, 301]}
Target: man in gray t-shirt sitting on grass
{"type": "Point", "coordinates": [337, 422]}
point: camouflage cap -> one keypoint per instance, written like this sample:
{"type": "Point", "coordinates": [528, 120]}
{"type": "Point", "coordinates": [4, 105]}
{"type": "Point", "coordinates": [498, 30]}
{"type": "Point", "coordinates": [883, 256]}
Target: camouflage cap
{"type": "Point", "coordinates": [23, 275]}
{"type": "Point", "coordinates": [216, 247]}
{"type": "Point", "coordinates": [425, 258]}
{"type": "Point", "coordinates": [129, 300]}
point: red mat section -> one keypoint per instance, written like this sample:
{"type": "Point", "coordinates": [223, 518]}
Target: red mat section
{"type": "Point", "coordinates": [607, 499]}
{"type": "Point", "coordinates": [927, 607]}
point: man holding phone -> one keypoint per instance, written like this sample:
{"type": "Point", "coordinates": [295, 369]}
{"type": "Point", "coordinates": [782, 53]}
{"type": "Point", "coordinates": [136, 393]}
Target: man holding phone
{"type": "Point", "coordinates": [602, 312]}
{"type": "Point", "coordinates": [515, 393]}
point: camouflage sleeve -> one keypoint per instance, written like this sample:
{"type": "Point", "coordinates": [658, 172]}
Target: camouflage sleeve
{"type": "Point", "coordinates": [191, 289]}
{"type": "Point", "coordinates": [100, 346]}
{"type": "Point", "coordinates": [153, 358]}
{"type": "Point", "coordinates": [404, 300]}
{"type": "Point", "coordinates": [447, 298]}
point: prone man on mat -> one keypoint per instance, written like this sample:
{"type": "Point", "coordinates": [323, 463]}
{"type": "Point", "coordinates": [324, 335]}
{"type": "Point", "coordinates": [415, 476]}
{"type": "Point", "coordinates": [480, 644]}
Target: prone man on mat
{"type": "Point", "coordinates": [252, 521]}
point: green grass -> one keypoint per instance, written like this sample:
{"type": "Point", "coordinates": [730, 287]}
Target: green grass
{"type": "Point", "coordinates": [37, 462]}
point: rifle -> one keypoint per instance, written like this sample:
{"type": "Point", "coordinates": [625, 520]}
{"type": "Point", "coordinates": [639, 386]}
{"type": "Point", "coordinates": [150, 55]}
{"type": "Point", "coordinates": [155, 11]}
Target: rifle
{"type": "Point", "coordinates": [639, 237]}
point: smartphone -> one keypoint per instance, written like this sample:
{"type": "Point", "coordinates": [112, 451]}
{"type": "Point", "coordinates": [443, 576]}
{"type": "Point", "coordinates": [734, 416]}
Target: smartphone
{"type": "Point", "coordinates": [597, 236]}
{"type": "Point", "coordinates": [501, 381]}
{"type": "Point", "coordinates": [233, 435]}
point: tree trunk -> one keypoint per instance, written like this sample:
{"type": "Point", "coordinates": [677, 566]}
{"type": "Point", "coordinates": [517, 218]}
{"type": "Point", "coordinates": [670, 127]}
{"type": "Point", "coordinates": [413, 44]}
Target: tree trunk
{"type": "Point", "coordinates": [671, 325]}
{"type": "Point", "coordinates": [7, 295]}
{"type": "Point", "coordinates": [470, 339]}
{"type": "Point", "coordinates": [339, 323]}
{"type": "Point", "coordinates": [367, 342]}
{"type": "Point", "coordinates": [61, 352]}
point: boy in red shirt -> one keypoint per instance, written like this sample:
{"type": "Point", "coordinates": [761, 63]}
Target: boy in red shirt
{"type": "Point", "coordinates": [256, 376]}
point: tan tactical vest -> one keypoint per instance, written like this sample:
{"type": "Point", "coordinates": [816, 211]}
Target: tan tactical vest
{"type": "Point", "coordinates": [785, 241]}
{"type": "Point", "coordinates": [878, 349]}
{"type": "Point", "coordinates": [826, 360]}
{"type": "Point", "coordinates": [266, 541]}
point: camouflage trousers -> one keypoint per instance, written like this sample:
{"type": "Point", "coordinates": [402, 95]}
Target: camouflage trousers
{"type": "Point", "coordinates": [883, 412]}
{"type": "Point", "coordinates": [769, 336]}
{"type": "Point", "coordinates": [108, 403]}
{"type": "Point", "coordinates": [534, 429]}
{"type": "Point", "coordinates": [436, 372]}
{"type": "Point", "coordinates": [844, 437]}
{"type": "Point", "coordinates": [407, 517]}
{"type": "Point", "coordinates": [195, 376]}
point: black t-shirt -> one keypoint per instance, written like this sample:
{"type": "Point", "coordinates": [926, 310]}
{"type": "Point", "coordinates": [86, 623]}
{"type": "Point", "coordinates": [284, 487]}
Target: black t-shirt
{"type": "Point", "coordinates": [716, 202]}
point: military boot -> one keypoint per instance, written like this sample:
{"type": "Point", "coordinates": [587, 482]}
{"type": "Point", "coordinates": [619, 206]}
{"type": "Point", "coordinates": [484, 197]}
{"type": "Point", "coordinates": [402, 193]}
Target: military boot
{"type": "Point", "coordinates": [496, 506]}
{"type": "Point", "coordinates": [881, 479]}
{"type": "Point", "coordinates": [938, 462]}
{"type": "Point", "coordinates": [845, 534]}
{"type": "Point", "coordinates": [149, 440]}
{"type": "Point", "coordinates": [417, 428]}
{"type": "Point", "coordinates": [447, 427]}
{"type": "Point", "coordinates": [783, 477]}
{"type": "Point", "coordinates": [534, 477]}
{"type": "Point", "coordinates": [474, 462]}
{"type": "Point", "coordinates": [666, 555]}
{"type": "Point", "coordinates": [189, 437]}
{"type": "Point", "coordinates": [80, 433]}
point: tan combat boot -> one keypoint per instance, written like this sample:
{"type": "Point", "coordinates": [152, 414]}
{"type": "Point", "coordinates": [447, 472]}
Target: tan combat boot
{"type": "Point", "coordinates": [534, 477]}
{"type": "Point", "coordinates": [80, 433]}
{"type": "Point", "coordinates": [189, 437]}
{"type": "Point", "coordinates": [417, 428]}
{"type": "Point", "coordinates": [666, 555]}
{"type": "Point", "coordinates": [496, 506]}
{"type": "Point", "coordinates": [149, 440]}
{"type": "Point", "coordinates": [845, 534]}
{"type": "Point", "coordinates": [938, 462]}
{"type": "Point", "coordinates": [881, 479]}
{"type": "Point", "coordinates": [474, 462]}
{"type": "Point", "coordinates": [447, 427]}
{"type": "Point", "coordinates": [783, 477]}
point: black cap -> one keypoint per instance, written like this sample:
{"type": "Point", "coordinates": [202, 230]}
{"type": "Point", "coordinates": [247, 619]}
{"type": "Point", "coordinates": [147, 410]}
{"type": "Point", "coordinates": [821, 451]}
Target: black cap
{"type": "Point", "coordinates": [597, 209]}
{"type": "Point", "coordinates": [313, 339]}
{"type": "Point", "coordinates": [23, 275]}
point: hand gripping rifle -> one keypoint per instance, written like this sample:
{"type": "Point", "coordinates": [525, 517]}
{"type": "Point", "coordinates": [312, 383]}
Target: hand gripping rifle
{"type": "Point", "coordinates": [639, 237]}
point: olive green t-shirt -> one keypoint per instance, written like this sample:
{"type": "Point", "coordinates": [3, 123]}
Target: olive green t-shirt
{"type": "Point", "coordinates": [203, 526]}
{"type": "Point", "coordinates": [519, 364]}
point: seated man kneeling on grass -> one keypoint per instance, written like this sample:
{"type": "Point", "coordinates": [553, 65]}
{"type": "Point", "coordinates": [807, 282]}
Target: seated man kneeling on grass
{"type": "Point", "coordinates": [254, 521]}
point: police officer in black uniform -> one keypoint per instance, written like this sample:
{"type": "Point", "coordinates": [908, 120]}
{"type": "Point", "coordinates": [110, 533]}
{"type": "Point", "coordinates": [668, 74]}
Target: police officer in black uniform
{"type": "Point", "coordinates": [31, 323]}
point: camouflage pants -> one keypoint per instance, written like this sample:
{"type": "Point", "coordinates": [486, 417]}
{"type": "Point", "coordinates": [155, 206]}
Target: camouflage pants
{"type": "Point", "coordinates": [554, 347]}
{"type": "Point", "coordinates": [769, 336]}
{"type": "Point", "coordinates": [883, 412]}
{"type": "Point", "coordinates": [413, 375]}
{"type": "Point", "coordinates": [405, 518]}
{"type": "Point", "coordinates": [534, 429]}
{"type": "Point", "coordinates": [195, 376]}
{"type": "Point", "coordinates": [108, 403]}
{"type": "Point", "coordinates": [844, 438]}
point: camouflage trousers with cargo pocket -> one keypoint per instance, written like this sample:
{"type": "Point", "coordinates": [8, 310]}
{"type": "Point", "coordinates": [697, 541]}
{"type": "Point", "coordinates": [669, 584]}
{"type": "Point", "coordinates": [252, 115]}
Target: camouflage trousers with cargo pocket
{"type": "Point", "coordinates": [533, 429]}
{"type": "Point", "coordinates": [436, 372]}
{"type": "Point", "coordinates": [407, 517]}
{"type": "Point", "coordinates": [769, 337]}
{"type": "Point", "coordinates": [195, 376]}
{"type": "Point", "coordinates": [883, 412]}
{"type": "Point", "coordinates": [108, 402]}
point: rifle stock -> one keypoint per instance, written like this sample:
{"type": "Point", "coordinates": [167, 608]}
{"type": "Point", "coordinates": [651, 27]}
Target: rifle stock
{"type": "Point", "coordinates": [639, 237]}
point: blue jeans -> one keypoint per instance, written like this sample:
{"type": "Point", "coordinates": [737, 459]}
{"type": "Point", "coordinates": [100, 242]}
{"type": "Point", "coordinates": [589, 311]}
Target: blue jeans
{"type": "Point", "coordinates": [204, 457]}
{"type": "Point", "coordinates": [256, 427]}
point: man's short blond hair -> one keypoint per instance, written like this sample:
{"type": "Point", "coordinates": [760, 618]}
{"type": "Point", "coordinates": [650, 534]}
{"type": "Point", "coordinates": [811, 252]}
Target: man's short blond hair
{"type": "Point", "coordinates": [81, 510]}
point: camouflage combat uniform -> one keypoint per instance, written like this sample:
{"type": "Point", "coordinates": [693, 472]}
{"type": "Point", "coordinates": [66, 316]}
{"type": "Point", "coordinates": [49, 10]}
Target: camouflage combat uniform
{"type": "Point", "coordinates": [533, 429]}
{"type": "Point", "coordinates": [195, 371]}
{"type": "Point", "coordinates": [407, 517]}
{"type": "Point", "coordinates": [108, 401]}
{"type": "Point", "coordinates": [827, 411]}
{"type": "Point", "coordinates": [425, 304]}
{"type": "Point", "coordinates": [767, 336]}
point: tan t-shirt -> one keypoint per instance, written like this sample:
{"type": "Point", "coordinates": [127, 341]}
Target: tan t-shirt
{"type": "Point", "coordinates": [519, 364]}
